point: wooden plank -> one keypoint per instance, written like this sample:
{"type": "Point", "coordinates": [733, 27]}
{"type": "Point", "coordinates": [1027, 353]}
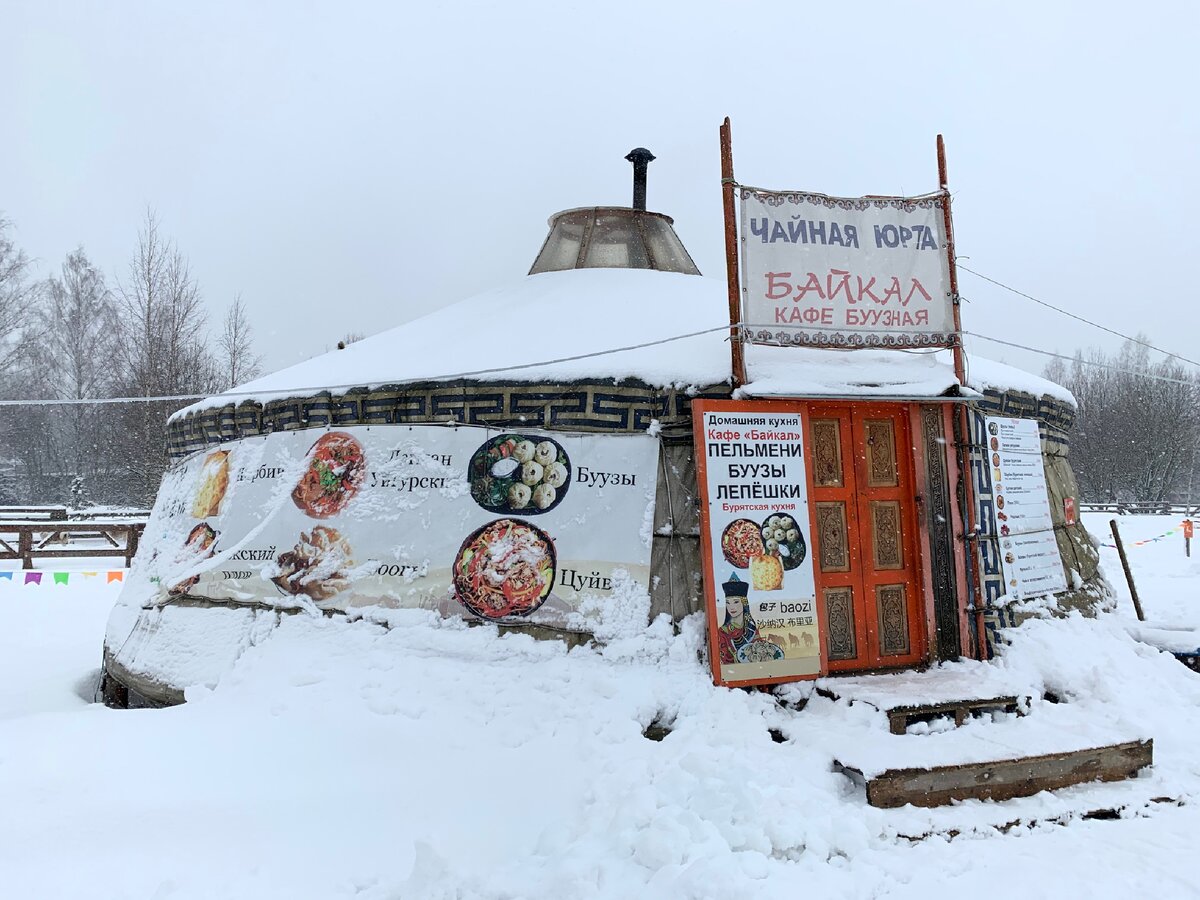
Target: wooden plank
{"type": "Point", "coordinates": [97, 551]}
{"type": "Point", "coordinates": [1007, 778]}
{"type": "Point", "coordinates": [900, 717]}
{"type": "Point", "coordinates": [44, 525]}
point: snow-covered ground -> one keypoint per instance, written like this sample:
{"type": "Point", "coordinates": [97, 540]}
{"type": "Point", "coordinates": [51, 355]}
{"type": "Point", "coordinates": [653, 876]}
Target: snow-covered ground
{"type": "Point", "coordinates": [433, 760]}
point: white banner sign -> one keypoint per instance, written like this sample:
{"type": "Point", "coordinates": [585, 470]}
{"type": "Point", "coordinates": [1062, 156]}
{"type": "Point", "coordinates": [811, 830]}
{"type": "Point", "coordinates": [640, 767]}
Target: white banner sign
{"type": "Point", "coordinates": [840, 272]}
{"type": "Point", "coordinates": [762, 614]}
{"type": "Point", "coordinates": [487, 524]}
{"type": "Point", "coordinates": [1021, 509]}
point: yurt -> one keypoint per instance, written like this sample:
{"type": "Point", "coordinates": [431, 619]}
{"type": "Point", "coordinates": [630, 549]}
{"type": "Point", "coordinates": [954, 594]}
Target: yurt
{"type": "Point", "coordinates": [547, 457]}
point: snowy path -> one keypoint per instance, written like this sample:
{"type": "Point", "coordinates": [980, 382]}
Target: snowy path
{"type": "Point", "coordinates": [434, 761]}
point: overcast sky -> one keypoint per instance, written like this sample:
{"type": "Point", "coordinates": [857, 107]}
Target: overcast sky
{"type": "Point", "coordinates": [347, 167]}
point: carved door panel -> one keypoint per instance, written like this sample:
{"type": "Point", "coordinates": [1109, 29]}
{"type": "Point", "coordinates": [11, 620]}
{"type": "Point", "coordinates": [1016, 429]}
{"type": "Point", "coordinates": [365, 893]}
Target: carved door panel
{"type": "Point", "coordinates": [863, 500]}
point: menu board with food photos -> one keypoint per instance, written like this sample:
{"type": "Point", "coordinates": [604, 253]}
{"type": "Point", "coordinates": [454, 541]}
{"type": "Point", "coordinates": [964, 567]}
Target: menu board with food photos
{"type": "Point", "coordinates": [495, 525]}
{"type": "Point", "coordinates": [1021, 509]}
{"type": "Point", "coordinates": [756, 540]}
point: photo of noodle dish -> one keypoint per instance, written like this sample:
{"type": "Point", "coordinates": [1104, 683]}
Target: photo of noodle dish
{"type": "Point", "coordinates": [334, 469]}
{"type": "Point", "coordinates": [505, 568]}
{"type": "Point", "coordinates": [759, 651]}
{"type": "Point", "coordinates": [519, 473]}
{"type": "Point", "coordinates": [740, 541]}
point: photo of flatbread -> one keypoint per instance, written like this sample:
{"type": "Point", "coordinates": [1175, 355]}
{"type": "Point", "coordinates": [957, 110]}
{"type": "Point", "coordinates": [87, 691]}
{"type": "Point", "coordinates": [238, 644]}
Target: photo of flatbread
{"type": "Point", "coordinates": [214, 481]}
{"type": "Point", "coordinates": [766, 573]}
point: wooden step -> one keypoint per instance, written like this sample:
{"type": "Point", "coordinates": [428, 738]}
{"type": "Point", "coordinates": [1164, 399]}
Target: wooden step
{"type": "Point", "coordinates": [1003, 779]}
{"type": "Point", "coordinates": [900, 717]}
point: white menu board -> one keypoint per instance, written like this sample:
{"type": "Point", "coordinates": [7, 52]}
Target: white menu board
{"type": "Point", "coordinates": [761, 593]}
{"type": "Point", "coordinates": [1021, 509]}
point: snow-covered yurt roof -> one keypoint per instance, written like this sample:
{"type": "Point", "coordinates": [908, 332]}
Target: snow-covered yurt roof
{"type": "Point", "coordinates": [663, 329]}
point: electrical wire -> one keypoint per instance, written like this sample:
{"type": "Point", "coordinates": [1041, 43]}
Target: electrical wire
{"type": "Point", "coordinates": [1080, 360]}
{"type": "Point", "coordinates": [1076, 317]}
{"type": "Point", "coordinates": [325, 388]}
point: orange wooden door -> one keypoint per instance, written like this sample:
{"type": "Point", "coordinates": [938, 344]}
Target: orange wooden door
{"type": "Point", "coordinates": [864, 535]}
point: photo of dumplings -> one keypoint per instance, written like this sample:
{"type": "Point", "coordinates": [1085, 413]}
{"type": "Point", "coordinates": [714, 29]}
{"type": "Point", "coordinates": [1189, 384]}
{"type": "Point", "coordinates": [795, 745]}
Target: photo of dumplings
{"type": "Point", "coordinates": [519, 473]}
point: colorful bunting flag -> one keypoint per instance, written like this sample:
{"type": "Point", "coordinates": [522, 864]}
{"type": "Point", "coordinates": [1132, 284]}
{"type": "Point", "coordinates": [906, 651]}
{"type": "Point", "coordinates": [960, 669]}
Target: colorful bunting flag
{"type": "Point", "coordinates": [1141, 543]}
{"type": "Point", "coordinates": [7, 576]}
{"type": "Point", "coordinates": [61, 577]}
{"type": "Point", "coordinates": [33, 577]}
{"type": "Point", "coordinates": [115, 576]}
{"type": "Point", "coordinates": [89, 574]}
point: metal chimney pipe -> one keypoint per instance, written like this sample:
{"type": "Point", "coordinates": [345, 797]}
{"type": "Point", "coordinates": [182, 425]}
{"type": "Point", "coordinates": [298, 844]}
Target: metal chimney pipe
{"type": "Point", "coordinates": [641, 158]}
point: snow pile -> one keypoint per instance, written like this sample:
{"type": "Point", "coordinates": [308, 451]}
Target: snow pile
{"type": "Point", "coordinates": [431, 759]}
{"type": "Point", "coordinates": [582, 314]}
{"type": "Point", "coordinates": [573, 313]}
{"type": "Point", "coordinates": [805, 371]}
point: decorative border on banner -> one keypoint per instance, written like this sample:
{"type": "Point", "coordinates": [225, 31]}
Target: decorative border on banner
{"type": "Point", "coordinates": [987, 548]}
{"type": "Point", "coordinates": [851, 339]}
{"type": "Point", "coordinates": [778, 198]}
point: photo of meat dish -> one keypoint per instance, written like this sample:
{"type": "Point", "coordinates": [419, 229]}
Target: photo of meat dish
{"type": "Point", "coordinates": [319, 565]}
{"type": "Point", "coordinates": [200, 544]}
{"type": "Point", "coordinates": [505, 568]}
{"type": "Point", "coordinates": [519, 473]}
{"type": "Point", "coordinates": [336, 467]}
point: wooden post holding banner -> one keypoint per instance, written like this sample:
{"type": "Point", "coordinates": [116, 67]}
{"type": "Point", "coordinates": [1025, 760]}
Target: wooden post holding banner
{"type": "Point", "coordinates": [1137, 604]}
{"type": "Point", "coordinates": [736, 350]}
{"type": "Point", "coordinates": [1187, 537]}
{"type": "Point", "coordinates": [971, 538]}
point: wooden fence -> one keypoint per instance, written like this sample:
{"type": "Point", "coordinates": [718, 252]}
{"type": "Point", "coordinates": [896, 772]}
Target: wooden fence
{"type": "Point", "coordinates": [41, 538]}
{"type": "Point", "coordinates": [1142, 508]}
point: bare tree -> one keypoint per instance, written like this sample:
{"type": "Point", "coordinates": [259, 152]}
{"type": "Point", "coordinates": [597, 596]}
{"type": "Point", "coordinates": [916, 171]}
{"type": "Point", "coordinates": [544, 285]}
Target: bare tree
{"type": "Point", "coordinates": [80, 327]}
{"type": "Point", "coordinates": [162, 352]}
{"type": "Point", "coordinates": [1136, 426]}
{"type": "Point", "coordinates": [235, 347]}
{"type": "Point", "coordinates": [16, 296]}
{"type": "Point", "coordinates": [79, 330]}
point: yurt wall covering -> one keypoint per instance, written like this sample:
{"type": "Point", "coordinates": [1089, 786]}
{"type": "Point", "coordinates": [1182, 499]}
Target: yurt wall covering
{"type": "Point", "coordinates": [579, 406]}
{"type": "Point", "coordinates": [1088, 589]}
{"type": "Point", "coordinates": [632, 406]}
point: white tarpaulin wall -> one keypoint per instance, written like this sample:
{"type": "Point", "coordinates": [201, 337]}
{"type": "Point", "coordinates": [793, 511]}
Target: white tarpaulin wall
{"type": "Point", "coordinates": [493, 524]}
{"type": "Point", "coordinates": [848, 272]}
